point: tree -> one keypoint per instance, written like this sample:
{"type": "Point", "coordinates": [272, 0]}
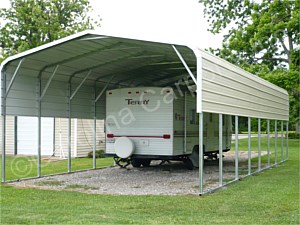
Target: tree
{"type": "Point", "coordinates": [263, 38]}
{"type": "Point", "coordinates": [31, 23]}
{"type": "Point", "coordinates": [265, 32]}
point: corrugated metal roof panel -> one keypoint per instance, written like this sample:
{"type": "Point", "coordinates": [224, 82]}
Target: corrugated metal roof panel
{"type": "Point", "coordinates": [132, 62]}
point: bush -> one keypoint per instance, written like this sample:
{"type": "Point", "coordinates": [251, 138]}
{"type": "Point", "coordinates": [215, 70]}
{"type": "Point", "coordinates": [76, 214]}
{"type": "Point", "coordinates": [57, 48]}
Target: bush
{"type": "Point", "coordinates": [99, 154]}
{"type": "Point", "coordinates": [294, 135]}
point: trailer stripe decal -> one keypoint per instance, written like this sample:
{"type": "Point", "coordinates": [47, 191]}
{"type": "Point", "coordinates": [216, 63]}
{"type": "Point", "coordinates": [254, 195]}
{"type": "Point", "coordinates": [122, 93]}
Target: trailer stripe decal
{"type": "Point", "coordinates": [165, 136]}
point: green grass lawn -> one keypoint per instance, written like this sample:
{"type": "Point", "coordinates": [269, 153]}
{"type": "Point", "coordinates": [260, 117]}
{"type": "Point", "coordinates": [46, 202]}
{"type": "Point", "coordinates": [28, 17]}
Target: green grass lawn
{"type": "Point", "coordinates": [270, 197]}
{"type": "Point", "coordinates": [24, 167]}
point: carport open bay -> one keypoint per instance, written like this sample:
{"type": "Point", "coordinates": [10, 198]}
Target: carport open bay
{"type": "Point", "coordinates": [167, 179]}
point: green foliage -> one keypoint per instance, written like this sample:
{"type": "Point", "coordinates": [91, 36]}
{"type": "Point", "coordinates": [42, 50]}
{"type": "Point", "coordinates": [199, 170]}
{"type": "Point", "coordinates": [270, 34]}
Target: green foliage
{"type": "Point", "coordinates": [263, 38]}
{"type": "Point", "coordinates": [288, 80]}
{"type": "Point", "coordinates": [31, 23]}
{"type": "Point", "coordinates": [294, 135]}
{"type": "Point", "coordinates": [99, 154]}
{"type": "Point", "coordinates": [264, 32]}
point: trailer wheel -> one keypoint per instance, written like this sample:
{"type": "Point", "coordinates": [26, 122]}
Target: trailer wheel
{"type": "Point", "coordinates": [146, 162]}
{"type": "Point", "coordinates": [188, 163]}
{"type": "Point", "coordinates": [136, 163]}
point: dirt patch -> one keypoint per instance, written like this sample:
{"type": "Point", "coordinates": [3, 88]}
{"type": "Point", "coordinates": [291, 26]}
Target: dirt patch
{"type": "Point", "coordinates": [167, 179]}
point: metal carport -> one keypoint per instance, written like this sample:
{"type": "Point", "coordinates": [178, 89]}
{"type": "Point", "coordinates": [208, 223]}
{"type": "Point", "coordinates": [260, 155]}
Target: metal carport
{"type": "Point", "coordinates": [68, 78]}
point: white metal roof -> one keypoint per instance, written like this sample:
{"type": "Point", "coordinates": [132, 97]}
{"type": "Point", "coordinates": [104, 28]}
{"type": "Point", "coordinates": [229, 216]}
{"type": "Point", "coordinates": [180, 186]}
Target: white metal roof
{"type": "Point", "coordinates": [89, 61]}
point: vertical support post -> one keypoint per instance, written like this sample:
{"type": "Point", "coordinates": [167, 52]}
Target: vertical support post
{"type": "Point", "coordinates": [249, 145]}
{"type": "Point", "coordinates": [185, 121]}
{"type": "Point", "coordinates": [39, 129]}
{"type": "Point", "coordinates": [275, 143]}
{"type": "Point", "coordinates": [281, 141]}
{"type": "Point", "coordinates": [287, 141]}
{"type": "Point", "coordinates": [69, 129]}
{"type": "Point", "coordinates": [3, 84]}
{"type": "Point", "coordinates": [220, 150]}
{"type": "Point", "coordinates": [268, 131]}
{"type": "Point", "coordinates": [16, 135]}
{"type": "Point", "coordinates": [95, 128]}
{"type": "Point", "coordinates": [259, 144]}
{"type": "Point", "coordinates": [54, 132]}
{"type": "Point", "coordinates": [236, 147]}
{"type": "Point", "coordinates": [201, 162]}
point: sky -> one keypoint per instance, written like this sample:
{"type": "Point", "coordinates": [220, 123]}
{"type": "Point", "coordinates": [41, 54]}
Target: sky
{"type": "Point", "coordinates": [176, 21]}
{"type": "Point", "coordinates": [179, 21]}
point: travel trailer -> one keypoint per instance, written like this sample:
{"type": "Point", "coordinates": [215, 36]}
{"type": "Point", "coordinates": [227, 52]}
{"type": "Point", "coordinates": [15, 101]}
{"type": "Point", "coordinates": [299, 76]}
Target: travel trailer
{"type": "Point", "coordinates": [154, 123]}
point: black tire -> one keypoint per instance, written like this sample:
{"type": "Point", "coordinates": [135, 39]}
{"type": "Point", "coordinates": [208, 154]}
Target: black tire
{"type": "Point", "coordinates": [189, 164]}
{"type": "Point", "coordinates": [146, 162]}
{"type": "Point", "coordinates": [136, 163]}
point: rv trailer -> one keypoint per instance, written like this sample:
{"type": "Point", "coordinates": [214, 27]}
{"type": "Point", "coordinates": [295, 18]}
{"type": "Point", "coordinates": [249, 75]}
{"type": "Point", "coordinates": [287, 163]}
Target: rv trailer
{"type": "Point", "coordinates": [154, 123]}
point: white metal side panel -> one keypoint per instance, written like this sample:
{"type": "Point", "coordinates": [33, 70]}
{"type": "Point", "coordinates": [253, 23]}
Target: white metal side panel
{"type": "Point", "coordinates": [85, 136]}
{"type": "Point", "coordinates": [55, 101]}
{"type": "Point", "coordinates": [22, 98]}
{"type": "Point", "coordinates": [230, 90]}
{"type": "Point", "coordinates": [28, 135]}
{"type": "Point", "coordinates": [82, 105]}
{"type": "Point", "coordinates": [144, 123]}
{"type": "Point", "coordinates": [10, 135]}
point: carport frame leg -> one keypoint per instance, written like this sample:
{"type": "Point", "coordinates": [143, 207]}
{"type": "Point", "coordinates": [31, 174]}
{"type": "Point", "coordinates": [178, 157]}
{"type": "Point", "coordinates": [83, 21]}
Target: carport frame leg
{"type": "Point", "coordinates": [259, 144]}
{"type": "Point", "coordinates": [236, 147]}
{"type": "Point", "coordinates": [249, 145]}
{"type": "Point", "coordinates": [287, 141]}
{"type": "Point", "coordinates": [95, 128]}
{"type": "Point", "coordinates": [282, 141]}
{"type": "Point", "coordinates": [69, 131]}
{"type": "Point", "coordinates": [275, 142]}
{"type": "Point", "coordinates": [3, 84]}
{"type": "Point", "coordinates": [268, 134]}
{"type": "Point", "coordinates": [220, 150]}
{"type": "Point", "coordinates": [201, 161]}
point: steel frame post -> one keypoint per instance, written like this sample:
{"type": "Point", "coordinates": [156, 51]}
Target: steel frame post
{"type": "Point", "coordinates": [201, 162]}
{"type": "Point", "coordinates": [287, 141]}
{"type": "Point", "coordinates": [3, 84]}
{"type": "Point", "coordinates": [39, 128]}
{"type": "Point", "coordinates": [281, 140]}
{"type": "Point", "coordinates": [95, 128]}
{"type": "Point", "coordinates": [69, 129]}
{"type": "Point", "coordinates": [249, 145]}
{"type": "Point", "coordinates": [185, 122]}
{"type": "Point", "coordinates": [275, 143]}
{"type": "Point", "coordinates": [236, 147]}
{"type": "Point", "coordinates": [259, 144]}
{"type": "Point", "coordinates": [220, 149]}
{"type": "Point", "coordinates": [268, 134]}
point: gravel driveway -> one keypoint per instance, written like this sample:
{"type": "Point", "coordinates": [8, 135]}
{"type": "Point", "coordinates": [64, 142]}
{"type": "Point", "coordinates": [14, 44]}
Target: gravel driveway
{"type": "Point", "coordinates": [167, 179]}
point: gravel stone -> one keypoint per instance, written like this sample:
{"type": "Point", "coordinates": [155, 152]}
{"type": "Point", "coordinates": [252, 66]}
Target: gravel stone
{"type": "Point", "coordinates": [166, 179]}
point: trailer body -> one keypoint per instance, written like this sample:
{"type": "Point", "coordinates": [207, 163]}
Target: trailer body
{"type": "Point", "coordinates": [161, 123]}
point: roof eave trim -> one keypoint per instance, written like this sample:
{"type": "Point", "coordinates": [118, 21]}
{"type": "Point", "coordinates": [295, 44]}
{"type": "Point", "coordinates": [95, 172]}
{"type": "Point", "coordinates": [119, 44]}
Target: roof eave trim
{"type": "Point", "coordinates": [48, 45]}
